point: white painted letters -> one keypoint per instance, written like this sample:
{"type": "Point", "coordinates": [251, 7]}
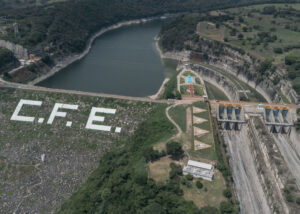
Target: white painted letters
{"type": "Point", "coordinates": [22, 102]}
{"type": "Point", "coordinates": [93, 118]}
{"type": "Point", "coordinates": [91, 123]}
{"type": "Point", "coordinates": [56, 113]}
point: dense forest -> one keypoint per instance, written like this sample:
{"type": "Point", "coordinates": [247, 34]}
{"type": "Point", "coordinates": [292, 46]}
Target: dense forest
{"type": "Point", "coordinates": [66, 26]}
{"type": "Point", "coordinates": [121, 185]}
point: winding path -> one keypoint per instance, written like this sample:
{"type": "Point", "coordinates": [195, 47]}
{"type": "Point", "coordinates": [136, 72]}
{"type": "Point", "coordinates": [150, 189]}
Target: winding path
{"type": "Point", "coordinates": [174, 123]}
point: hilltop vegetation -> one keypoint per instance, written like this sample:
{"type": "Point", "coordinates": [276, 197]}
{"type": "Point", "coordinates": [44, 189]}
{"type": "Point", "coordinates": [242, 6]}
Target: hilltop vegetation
{"type": "Point", "coordinates": [66, 26]}
{"type": "Point", "coordinates": [266, 35]}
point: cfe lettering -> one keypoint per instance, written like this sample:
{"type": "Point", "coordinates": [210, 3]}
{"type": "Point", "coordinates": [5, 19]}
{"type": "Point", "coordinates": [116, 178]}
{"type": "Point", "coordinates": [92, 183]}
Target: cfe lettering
{"type": "Point", "coordinates": [57, 111]}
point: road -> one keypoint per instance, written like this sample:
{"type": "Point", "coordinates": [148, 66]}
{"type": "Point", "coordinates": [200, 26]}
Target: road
{"type": "Point", "coordinates": [53, 90]}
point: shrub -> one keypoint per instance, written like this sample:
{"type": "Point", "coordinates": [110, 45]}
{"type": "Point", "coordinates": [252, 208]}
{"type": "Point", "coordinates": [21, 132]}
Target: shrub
{"type": "Point", "coordinates": [227, 193]}
{"type": "Point", "coordinates": [183, 181]}
{"type": "Point", "coordinates": [209, 210]}
{"type": "Point", "coordinates": [199, 185]}
{"type": "Point", "coordinates": [289, 198]}
{"type": "Point", "coordinates": [289, 60]}
{"type": "Point", "coordinates": [264, 66]}
{"type": "Point", "coordinates": [188, 185]}
{"type": "Point", "coordinates": [278, 50]}
{"type": "Point", "coordinates": [298, 124]}
{"type": "Point", "coordinates": [226, 207]}
{"type": "Point", "coordinates": [189, 177]}
{"type": "Point", "coordinates": [276, 80]}
{"type": "Point", "coordinates": [298, 200]}
{"type": "Point", "coordinates": [269, 10]}
{"type": "Point", "coordinates": [240, 36]}
{"type": "Point", "coordinates": [243, 98]}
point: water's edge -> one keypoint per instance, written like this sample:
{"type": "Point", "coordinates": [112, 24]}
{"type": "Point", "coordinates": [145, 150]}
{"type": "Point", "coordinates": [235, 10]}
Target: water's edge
{"type": "Point", "coordinates": [73, 58]}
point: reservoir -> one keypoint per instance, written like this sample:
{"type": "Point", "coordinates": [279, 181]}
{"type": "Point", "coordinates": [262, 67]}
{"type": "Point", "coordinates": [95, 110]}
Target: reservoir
{"type": "Point", "coordinates": [124, 61]}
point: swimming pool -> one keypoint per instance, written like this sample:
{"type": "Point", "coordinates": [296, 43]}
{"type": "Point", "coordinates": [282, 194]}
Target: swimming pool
{"type": "Point", "coordinates": [190, 79]}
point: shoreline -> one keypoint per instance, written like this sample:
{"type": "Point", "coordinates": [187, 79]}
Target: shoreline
{"type": "Point", "coordinates": [160, 90]}
{"type": "Point", "coordinates": [162, 56]}
{"type": "Point", "coordinates": [73, 58]}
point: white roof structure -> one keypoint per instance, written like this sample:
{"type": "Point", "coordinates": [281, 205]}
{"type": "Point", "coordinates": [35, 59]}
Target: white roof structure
{"type": "Point", "coordinates": [200, 165]}
{"type": "Point", "coordinates": [199, 170]}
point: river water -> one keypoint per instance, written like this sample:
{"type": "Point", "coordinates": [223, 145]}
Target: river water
{"type": "Point", "coordinates": [122, 61]}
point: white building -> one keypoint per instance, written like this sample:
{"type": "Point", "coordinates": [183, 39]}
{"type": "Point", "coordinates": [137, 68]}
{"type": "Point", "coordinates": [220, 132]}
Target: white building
{"type": "Point", "coordinates": [199, 170]}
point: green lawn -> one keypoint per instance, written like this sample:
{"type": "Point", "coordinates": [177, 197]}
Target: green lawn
{"type": "Point", "coordinates": [198, 90]}
{"type": "Point", "coordinates": [184, 90]}
{"type": "Point", "coordinates": [178, 114]}
{"type": "Point", "coordinates": [210, 195]}
{"type": "Point", "coordinates": [208, 138]}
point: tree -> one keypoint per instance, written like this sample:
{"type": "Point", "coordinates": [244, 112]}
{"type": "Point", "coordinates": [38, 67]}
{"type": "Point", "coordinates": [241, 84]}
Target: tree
{"type": "Point", "coordinates": [289, 60]}
{"type": "Point", "coordinates": [298, 200]}
{"type": "Point", "coordinates": [298, 124]}
{"type": "Point", "coordinates": [209, 210]}
{"type": "Point", "coordinates": [278, 50]}
{"type": "Point", "coordinates": [240, 36]}
{"type": "Point", "coordinates": [199, 185]}
{"type": "Point", "coordinates": [6, 58]}
{"type": "Point", "coordinates": [269, 10]}
{"type": "Point", "coordinates": [153, 208]}
{"type": "Point", "coordinates": [175, 149]}
{"type": "Point", "coordinates": [226, 207]}
{"type": "Point", "coordinates": [289, 198]}
{"type": "Point", "coordinates": [264, 66]}
{"type": "Point", "coordinates": [176, 170]}
{"type": "Point", "coordinates": [227, 193]}
{"type": "Point", "coordinates": [151, 155]}
{"type": "Point", "coordinates": [189, 177]}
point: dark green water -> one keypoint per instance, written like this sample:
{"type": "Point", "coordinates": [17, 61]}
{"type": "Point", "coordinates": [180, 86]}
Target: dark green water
{"type": "Point", "coordinates": [123, 61]}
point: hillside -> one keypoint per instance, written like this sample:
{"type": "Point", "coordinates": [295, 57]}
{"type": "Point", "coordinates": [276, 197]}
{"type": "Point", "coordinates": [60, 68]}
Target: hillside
{"type": "Point", "coordinates": [71, 151]}
{"type": "Point", "coordinates": [262, 42]}
{"type": "Point", "coordinates": [66, 26]}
